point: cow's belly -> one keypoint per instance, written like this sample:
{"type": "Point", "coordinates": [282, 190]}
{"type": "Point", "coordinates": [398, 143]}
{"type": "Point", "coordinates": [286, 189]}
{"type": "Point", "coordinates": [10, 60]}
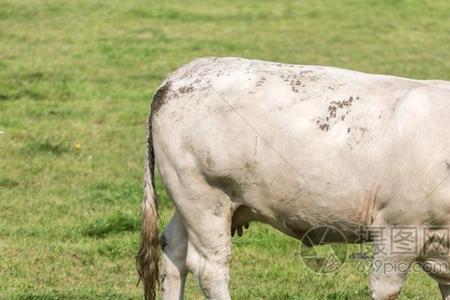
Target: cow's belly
{"type": "Point", "coordinates": [295, 202]}
{"type": "Point", "coordinates": [296, 178]}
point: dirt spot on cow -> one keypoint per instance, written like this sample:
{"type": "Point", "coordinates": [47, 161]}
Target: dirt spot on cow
{"type": "Point", "coordinates": [337, 110]}
{"type": "Point", "coordinates": [343, 103]}
{"type": "Point", "coordinates": [163, 278]}
{"type": "Point", "coordinates": [295, 84]}
{"type": "Point", "coordinates": [185, 89]}
{"type": "Point", "coordinates": [393, 296]}
{"type": "Point", "coordinates": [332, 111]}
{"type": "Point", "coordinates": [260, 81]}
{"type": "Point", "coordinates": [220, 73]}
{"type": "Point", "coordinates": [296, 80]}
{"type": "Point", "coordinates": [249, 167]}
{"type": "Point", "coordinates": [160, 97]}
{"type": "Point", "coordinates": [357, 135]}
{"type": "Point", "coordinates": [324, 127]}
{"type": "Point", "coordinates": [218, 209]}
{"type": "Point", "coordinates": [447, 165]}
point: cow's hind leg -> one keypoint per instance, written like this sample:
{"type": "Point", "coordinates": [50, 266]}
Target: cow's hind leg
{"type": "Point", "coordinates": [210, 264]}
{"type": "Point", "coordinates": [445, 291]}
{"type": "Point", "coordinates": [209, 249]}
{"type": "Point", "coordinates": [206, 214]}
{"type": "Point", "coordinates": [174, 249]}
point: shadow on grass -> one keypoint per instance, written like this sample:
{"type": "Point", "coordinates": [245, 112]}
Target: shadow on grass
{"type": "Point", "coordinates": [113, 224]}
{"type": "Point", "coordinates": [52, 145]}
{"type": "Point", "coordinates": [8, 183]}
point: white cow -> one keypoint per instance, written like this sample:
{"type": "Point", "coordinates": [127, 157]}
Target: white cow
{"type": "Point", "coordinates": [295, 147]}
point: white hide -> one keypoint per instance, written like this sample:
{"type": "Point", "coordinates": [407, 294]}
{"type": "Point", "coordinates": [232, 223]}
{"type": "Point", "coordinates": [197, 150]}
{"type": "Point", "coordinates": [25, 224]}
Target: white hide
{"type": "Point", "coordinates": [295, 147]}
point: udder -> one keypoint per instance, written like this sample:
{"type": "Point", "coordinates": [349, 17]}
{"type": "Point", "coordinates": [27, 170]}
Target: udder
{"type": "Point", "coordinates": [241, 219]}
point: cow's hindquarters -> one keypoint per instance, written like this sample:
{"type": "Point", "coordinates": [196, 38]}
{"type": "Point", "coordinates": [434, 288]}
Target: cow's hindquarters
{"type": "Point", "coordinates": [205, 214]}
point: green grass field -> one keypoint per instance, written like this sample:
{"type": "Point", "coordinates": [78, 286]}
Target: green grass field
{"type": "Point", "coordinates": [76, 81]}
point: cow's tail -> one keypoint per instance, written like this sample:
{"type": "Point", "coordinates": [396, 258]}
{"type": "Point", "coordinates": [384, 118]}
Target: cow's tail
{"type": "Point", "coordinates": [147, 258]}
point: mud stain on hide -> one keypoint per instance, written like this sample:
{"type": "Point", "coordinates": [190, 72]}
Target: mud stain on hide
{"type": "Point", "coordinates": [297, 81]}
{"type": "Point", "coordinates": [357, 135]}
{"type": "Point", "coordinates": [324, 127]}
{"type": "Point", "coordinates": [249, 167]}
{"type": "Point", "coordinates": [295, 84]}
{"type": "Point", "coordinates": [218, 209]}
{"type": "Point", "coordinates": [160, 98]}
{"type": "Point", "coordinates": [165, 93]}
{"type": "Point", "coordinates": [260, 81]}
{"type": "Point", "coordinates": [393, 296]}
{"type": "Point", "coordinates": [337, 111]}
{"type": "Point", "coordinates": [258, 84]}
{"type": "Point", "coordinates": [367, 215]}
{"type": "Point", "coordinates": [185, 89]}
